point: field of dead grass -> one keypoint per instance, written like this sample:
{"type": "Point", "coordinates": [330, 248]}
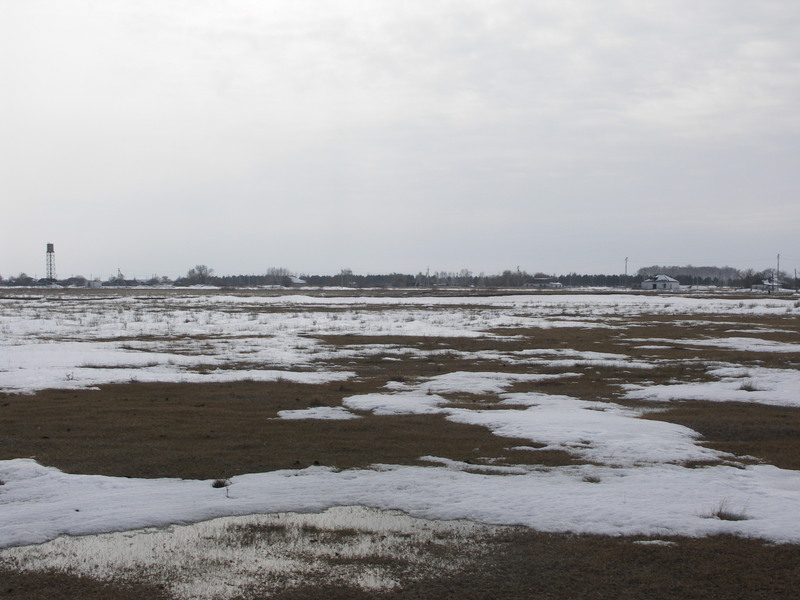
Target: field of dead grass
{"type": "Point", "coordinates": [218, 430]}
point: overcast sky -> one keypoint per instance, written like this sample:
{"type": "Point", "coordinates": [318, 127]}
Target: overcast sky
{"type": "Point", "coordinates": [385, 135]}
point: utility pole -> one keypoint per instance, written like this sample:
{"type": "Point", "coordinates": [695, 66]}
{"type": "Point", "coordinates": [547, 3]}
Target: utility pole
{"type": "Point", "coordinates": [778, 273]}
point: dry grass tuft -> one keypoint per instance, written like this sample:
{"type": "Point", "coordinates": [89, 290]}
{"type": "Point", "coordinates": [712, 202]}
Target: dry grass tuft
{"type": "Point", "coordinates": [723, 512]}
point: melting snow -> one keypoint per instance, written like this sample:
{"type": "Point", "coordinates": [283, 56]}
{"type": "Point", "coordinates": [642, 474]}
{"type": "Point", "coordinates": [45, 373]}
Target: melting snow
{"type": "Point", "coordinates": [636, 483]}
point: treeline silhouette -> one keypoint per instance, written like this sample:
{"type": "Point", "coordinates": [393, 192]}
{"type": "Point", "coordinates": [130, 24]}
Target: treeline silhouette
{"type": "Point", "coordinates": [283, 277]}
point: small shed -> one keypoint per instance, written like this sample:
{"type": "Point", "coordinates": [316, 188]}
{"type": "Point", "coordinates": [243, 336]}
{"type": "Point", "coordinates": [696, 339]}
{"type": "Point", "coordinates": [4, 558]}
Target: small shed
{"type": "Point", "coordinates": [660, 282]}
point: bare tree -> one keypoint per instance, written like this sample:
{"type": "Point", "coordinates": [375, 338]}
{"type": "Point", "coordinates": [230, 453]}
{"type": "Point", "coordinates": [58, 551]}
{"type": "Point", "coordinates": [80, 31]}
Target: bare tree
{"type": "Point", "coordinates": [465, 277]}
{"type": "Point", "coordinates": [345, 277]}
{"type": "Point", "coordinates": [199, 275]}
{"type": "Point", "coordinates": [275, 275]}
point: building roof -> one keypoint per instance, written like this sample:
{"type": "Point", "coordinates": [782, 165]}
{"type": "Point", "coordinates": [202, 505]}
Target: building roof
{"type": "Point", "coordinates": [665, 278]}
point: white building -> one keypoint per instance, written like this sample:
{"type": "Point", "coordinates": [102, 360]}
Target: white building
{"type": "Point", "coordinates": [769, 285]}
{"type": "Point", "coordinates": [544, 282]}
{"type": "Point", "coordinates": [660, 282]}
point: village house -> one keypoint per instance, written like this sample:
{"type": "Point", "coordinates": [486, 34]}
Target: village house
{"type": "Point", "coordinates": [660, 282]}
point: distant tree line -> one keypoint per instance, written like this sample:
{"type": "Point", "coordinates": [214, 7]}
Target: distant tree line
{"type": "Point", "coordinates": [717, 276]}
{"type": "Point", "coordinates": [689, 274]}
{"type": "Point", "coordinates": [283, 277]}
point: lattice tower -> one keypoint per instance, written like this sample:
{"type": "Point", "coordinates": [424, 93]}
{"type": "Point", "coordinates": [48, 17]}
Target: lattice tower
{"type": "Point", "coordinates": [51, 262]}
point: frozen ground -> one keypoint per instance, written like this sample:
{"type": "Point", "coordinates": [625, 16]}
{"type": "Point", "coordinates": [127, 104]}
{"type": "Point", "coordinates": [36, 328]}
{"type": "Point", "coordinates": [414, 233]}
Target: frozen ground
{"type": "Point", "coordinates": [226, 556]}
{"type": "Point", "coordinates": [76, 341]}
{"type": "Point", "coordinates": [635, 482]}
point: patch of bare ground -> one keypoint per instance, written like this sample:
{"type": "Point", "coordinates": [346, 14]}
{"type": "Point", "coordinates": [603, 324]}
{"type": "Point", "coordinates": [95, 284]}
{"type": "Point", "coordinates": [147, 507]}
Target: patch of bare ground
{"type": "Point", "coordinates": [770, 433]}
{"type": "Point", "coordinates": [774, 328]}
{"type": "Point", "coordinates": [629, 343]}
{"type": "Point", "coordinates": [592, 379]}
{"type": "Point", "coordinates": [527, 564]}
{"type": "Point", "coordinates": [208, 431]}
{"type": "Point", "coordinates": [601, 383]}
{"type": "Point", "coordinates": [578, 338]}
{"type": "Point", "coordinates": [56, 585]}
{"type": "Point", "coordinates": [519, 563]}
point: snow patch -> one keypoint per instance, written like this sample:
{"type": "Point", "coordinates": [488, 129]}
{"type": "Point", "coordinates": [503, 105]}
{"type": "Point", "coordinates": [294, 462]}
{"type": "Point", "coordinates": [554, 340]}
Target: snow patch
{"type": "Point", "coordinates": [334, 413]}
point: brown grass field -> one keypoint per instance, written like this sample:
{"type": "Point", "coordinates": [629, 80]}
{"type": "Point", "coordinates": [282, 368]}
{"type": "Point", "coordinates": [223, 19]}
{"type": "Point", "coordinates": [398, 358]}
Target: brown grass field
{"type": "Point", "coordinates": [219, 430]}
